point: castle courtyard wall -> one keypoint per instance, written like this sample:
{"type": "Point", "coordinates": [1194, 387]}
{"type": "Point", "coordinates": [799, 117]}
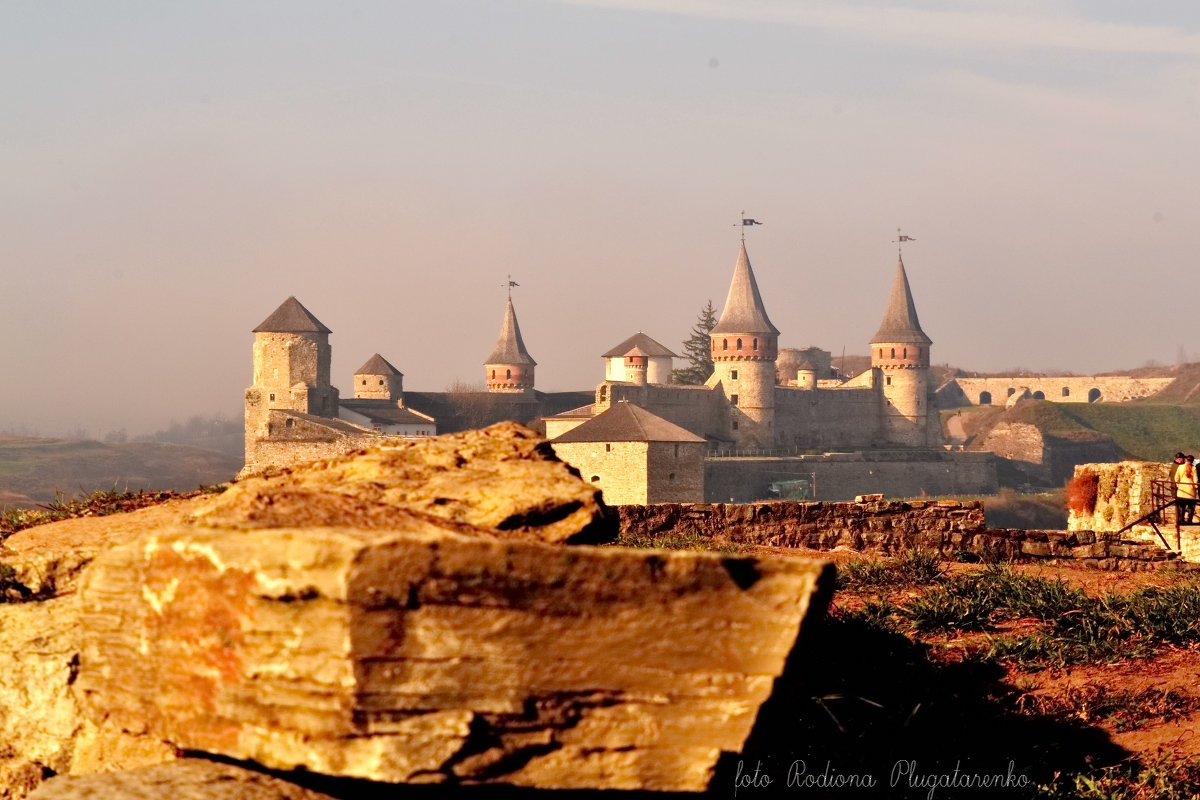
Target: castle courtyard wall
{"type": "Point", "coordinates": [825, 418]}
{"type": "Point", "coordinates": [843, 476]}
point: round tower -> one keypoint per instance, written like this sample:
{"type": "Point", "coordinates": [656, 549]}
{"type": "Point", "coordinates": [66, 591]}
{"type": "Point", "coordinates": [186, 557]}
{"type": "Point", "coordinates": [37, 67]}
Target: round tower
{"type": "Point", "coordinates": [510, 367]}
{"type": "Point", "coordinates": [744, 347]}
{"type": "Point", "coordinates": [900, 351]}
{"type": "Point", "coordinates": [636, 363]}
{"type": "Point", "coordinates": [378, 380]}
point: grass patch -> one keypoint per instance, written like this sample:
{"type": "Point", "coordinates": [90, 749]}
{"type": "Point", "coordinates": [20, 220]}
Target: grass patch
{"type": "Point", "coordinates": [914, 567]}
{"type": "Point", "coordinates": [1166, 778]}
{"type": "Point", "coordinates": [1125, 709]}
{"type": "Point", "coordinates": [679, 541]}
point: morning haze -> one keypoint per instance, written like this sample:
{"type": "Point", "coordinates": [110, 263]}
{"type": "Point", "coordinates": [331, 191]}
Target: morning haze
{"type": "Point", "coordinates": [173, 173]}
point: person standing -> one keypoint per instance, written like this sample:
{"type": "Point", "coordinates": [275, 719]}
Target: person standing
{"type": "Point", "coordinates": [1183, 476]}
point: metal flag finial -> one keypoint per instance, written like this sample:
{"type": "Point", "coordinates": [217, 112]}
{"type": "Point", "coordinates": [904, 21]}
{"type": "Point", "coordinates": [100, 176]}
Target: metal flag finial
{"type": "Point", "coordinates": [509, 284]}
{"type": "Point", "coordinates": [744, 222]}
{"type": "Point", "coordinates": [900, 240]}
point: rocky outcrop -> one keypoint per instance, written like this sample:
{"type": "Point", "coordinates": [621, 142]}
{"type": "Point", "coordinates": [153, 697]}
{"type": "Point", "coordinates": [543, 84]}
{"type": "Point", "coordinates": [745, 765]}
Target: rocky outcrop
{"type": "Point", "coordinates": [405, 614]}
{"type": "Point", "coordinates": [419, 654]}
{"type": "Point", "coordinates": [504, 480]}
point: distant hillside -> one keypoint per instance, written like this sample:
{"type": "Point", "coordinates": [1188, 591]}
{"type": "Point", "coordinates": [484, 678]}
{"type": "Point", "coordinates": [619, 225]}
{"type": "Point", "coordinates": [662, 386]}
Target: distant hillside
{"type": "Point", "coordinates": [1143, 430]}
{"type": "Point", "coordinates": [1185, 390]}
{"type": "Point", "coordinates": [33, 470]}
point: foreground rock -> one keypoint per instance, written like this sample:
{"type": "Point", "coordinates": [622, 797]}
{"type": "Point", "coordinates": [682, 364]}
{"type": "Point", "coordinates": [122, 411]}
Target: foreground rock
{"type": "Point", "coordinates": [397, 615]}
{"type": "Point", "coordinates": [503, 480]}
{"type": "Point", "coordinates": [419, 654]}
{"type": "Point", "coordinates": [187, 779]}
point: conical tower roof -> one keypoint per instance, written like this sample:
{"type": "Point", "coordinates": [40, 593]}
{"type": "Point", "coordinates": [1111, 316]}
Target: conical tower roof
{"type": "Point", "coordinates": [291, 317]}
{"type": "Point", "coordinates": [510, 347]}
{"type": "Point", "coordinates": [744, 312]}
{"type": "Point", "coordinates": [377, 365]}
{"type": "Point", "coordinates": [900, 323]}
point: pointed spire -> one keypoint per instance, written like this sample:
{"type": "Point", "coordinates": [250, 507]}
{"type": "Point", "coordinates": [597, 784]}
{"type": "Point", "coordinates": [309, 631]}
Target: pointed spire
{"type": "Point", "coordinates": [510, 347]}
{"type": "Point", "coordinates": [291, 317]}
{"type": "Point", "coordinates": [900, 323]}
{"type": "Point", "coordinates": [744, 311]}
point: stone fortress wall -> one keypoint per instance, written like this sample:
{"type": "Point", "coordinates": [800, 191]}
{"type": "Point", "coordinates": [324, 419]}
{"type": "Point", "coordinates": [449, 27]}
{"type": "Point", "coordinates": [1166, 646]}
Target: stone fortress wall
{"type": "Point", "coordinates": [843, 476]}
{"type": "Point", "coordinates": [1063, 389]}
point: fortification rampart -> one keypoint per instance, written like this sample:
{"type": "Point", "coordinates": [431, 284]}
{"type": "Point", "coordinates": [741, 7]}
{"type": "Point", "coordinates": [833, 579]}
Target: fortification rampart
{"type": "Point", "coordinates": [1065, 389]}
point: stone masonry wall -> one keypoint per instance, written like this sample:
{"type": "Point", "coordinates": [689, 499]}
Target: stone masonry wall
{"type": "Point", "coordinates": [1113, 389]}
{"type": "Point", "coordinates": [947, 527]}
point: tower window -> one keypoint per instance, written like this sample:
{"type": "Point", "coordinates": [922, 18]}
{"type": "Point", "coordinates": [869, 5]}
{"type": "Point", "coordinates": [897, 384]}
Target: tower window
{"type": "Point", "coordinates": [493, 373]}
{"type": "Point", "coordinates": [733, 398]}
{"type": "Point", "coordinates": [724, 344]}
{"type": "Point", "coordinates": [735, 424]}
{"type": "Point", "coordinates": [905, 353]}
{"type": "Point", "coordinates": [893, 352]}
{"type": "Point", "coordinates": [671, 476]}
{"type": "Point", "coordinates": [739, 343]}
{"type": "Point", "coordinates": [381, 381]}
{"type": "Point", "coordinates": [272, 397]}
{"type": "Point", "coordinates": [364, 382]}
{"type": "Point", "coordinates": [756, 344]}
{"type": "Point", "coordinates": [733, 375]}
{"type": "Point", "coordinates": [677, 451]}
{"type": "Point", "coordinates": [603, 393]}
{"type": "Point", "coordinates": [508, 373]}
{"type": "Point", "coordinates": [889, 380]}
{"type": "Point", "coordinates": [608, 448]}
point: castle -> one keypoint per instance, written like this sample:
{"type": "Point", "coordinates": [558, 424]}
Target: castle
{"type": "Point", "coordinates": [748, 408]}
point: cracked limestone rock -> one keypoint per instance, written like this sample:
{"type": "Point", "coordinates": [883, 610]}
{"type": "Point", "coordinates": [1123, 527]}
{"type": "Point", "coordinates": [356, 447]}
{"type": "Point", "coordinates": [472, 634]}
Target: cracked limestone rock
{"type": "Point", "coordinates": [419, 654]}
{"type": "Point", "coordinates": [502, 481]}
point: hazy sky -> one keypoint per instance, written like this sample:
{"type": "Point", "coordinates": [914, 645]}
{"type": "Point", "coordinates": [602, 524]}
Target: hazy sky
{"type": "Point", "coordinates": [170, 172]}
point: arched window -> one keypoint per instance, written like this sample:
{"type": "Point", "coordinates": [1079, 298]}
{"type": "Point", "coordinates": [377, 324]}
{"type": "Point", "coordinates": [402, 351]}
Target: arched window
{"type": "Point", "coordinates": [595, 478]}
{"type": "Point", "coordinates": [1039, 395]}
{"type": "Point", "coordinates": [603, 393]}
{"type": "Point", "coordinates": [893, 352]}
{"type": "Point", "coordinates": [985, 398]}
{"type": "Point", "coordinates": [905, 355]}
{"type": "Point", "coordinates": [724, 344]}
{"type": "Point", "coordinates": [1066, 391]}
{"type": "Point", "coordinates": [756, 343]}
{"type": "Point", "coordinates": [739, 343]}
{"type": "Point", "coordinates": [508, 373]}
{"type": "Point", "coordinates": [493, 373]}
{"type": "Point", "coordinates": [1093, 395]}
{"type": "Point", "coordinates": [364, 383]}
{"type": "Point", "coordinates": [881, 352]}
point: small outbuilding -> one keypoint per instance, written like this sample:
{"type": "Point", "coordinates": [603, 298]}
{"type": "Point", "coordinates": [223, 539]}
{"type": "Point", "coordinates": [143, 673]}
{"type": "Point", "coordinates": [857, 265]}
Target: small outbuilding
{"type": "Point", "coordinates": [635, 457]}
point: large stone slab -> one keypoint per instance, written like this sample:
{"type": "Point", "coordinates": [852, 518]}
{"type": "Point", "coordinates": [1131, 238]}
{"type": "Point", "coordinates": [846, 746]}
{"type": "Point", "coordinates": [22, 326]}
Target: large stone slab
{"type": "Point", "coordinates": [418, 654]}
{"type": "Point", "coordinates": [186, 779]}
{"type": "Point", "coordinates": [503, 480]}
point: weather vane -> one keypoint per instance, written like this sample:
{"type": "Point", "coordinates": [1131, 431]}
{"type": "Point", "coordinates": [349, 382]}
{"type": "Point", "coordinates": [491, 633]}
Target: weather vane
{"type": "Point", "coordinates": [746, 221]}
{"type": "Point", "coordinates": [509, 285]}
{"type": "Point", "coordinates": [900, 240]}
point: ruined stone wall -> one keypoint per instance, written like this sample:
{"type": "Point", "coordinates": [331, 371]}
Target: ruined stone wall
{"type": "Point", "coordinates": [842, 476]}
{"type": "Point", "coordinates": [885, 526]}
{"type": "Point", "coordinates": [1123, 494]}
{"type": "Point", "coordinates": [1079, 389]}
{"type": "Point", "coordinates": [946, 527]}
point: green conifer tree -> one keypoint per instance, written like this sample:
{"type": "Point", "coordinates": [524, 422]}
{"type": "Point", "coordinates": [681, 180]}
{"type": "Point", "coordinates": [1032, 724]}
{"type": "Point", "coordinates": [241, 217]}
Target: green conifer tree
{"type": "Point", "coordinates": [697, 349]}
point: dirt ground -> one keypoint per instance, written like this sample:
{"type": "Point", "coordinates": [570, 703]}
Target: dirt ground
{"type": "Point", "coordinates": [1175, 670]}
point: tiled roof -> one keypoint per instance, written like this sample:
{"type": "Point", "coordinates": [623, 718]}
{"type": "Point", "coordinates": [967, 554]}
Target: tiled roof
{"type": "Point", "coordinates": [640, 340]}
{"type": "Point", "coordinates": [626, 422]}
{"type": "Point", "coordinates": [385, 411]}
{"type": "Point", "coordinates": [291, 317]}
{"type": "Point", "coordinates": [510, 347]}
{"type": "Point", "coordinates": [900, 323]}
{"type": "Point", "coordinates": [744, 311]}
{"type": "Point", "coordinates": [377, 365]}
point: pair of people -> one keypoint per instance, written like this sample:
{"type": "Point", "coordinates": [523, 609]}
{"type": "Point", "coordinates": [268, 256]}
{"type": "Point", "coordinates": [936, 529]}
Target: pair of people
{"type": "Point", "coordinates": [1183, 476]}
